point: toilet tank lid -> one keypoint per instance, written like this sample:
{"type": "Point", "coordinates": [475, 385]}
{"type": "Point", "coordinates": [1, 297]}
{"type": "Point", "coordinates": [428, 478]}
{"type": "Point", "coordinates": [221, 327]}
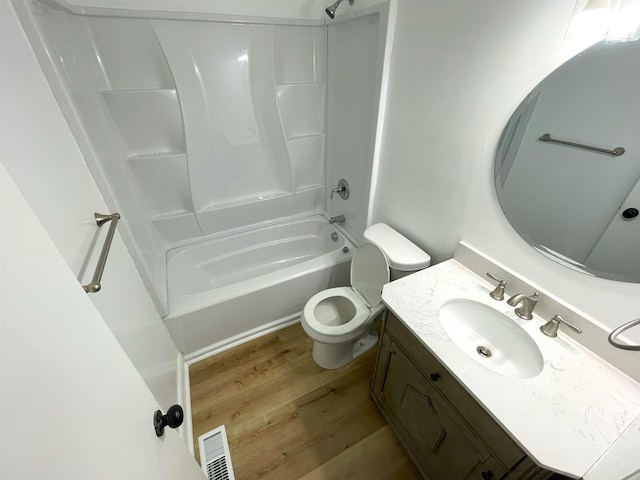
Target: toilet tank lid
{"type": "Point", "coordinates": [401, 252]}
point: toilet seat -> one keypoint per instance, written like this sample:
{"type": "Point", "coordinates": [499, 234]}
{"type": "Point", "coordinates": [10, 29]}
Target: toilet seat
{"type": "Point", "coordinates": [361, 315]}
{"type": "Point", "coordinates": [369, 273]}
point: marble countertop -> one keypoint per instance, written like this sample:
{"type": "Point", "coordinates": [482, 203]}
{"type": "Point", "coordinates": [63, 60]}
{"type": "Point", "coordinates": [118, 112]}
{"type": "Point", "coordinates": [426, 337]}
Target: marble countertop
{"type": "Point", "coordinates": [566, 417]}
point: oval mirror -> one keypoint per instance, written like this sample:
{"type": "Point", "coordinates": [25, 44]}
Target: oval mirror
{"type": "Point", "coordinates": [567, 167]}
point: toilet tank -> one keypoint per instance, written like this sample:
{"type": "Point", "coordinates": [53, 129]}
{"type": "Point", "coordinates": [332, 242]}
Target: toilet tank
{"type": "Point", "coordinates": [403, 255]}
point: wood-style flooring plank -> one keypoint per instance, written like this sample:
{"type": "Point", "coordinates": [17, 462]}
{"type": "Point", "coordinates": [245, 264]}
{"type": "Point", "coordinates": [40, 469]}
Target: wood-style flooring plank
{"type": "Point", "coordinates": [279, 369]}
{"type": "Point", "coordinates": [292, 440]}
{"type": "Point", "coordinates": [380, 455]}
{"type": "Point", "coordinates": [288, 418]}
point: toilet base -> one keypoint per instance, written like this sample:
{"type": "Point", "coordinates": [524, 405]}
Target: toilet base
{"type": "Point", "coordinates": [336, 355]}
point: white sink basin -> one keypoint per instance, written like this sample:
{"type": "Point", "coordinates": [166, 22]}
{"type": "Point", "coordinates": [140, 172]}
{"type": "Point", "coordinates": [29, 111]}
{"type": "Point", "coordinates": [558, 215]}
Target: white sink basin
{"type": "Point", "coordinates": [491, 338]}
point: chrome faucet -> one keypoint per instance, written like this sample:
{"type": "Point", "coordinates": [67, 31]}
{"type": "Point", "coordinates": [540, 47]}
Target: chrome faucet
{"type": "Point", "coordinates": [528, 302]}
{"type": "Point", "coordinates": [338, 219]}
{"type": "Point", "coordinates": [342, 189]}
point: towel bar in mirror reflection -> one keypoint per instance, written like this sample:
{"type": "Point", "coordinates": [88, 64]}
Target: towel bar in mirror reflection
{"type": "Point", "coordinates": [616, 152]}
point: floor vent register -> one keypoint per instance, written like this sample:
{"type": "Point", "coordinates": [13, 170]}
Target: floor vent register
{"type": "Point", "coordinates": [214, 455]}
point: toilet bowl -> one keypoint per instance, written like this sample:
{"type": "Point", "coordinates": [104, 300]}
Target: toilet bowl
{"type": "Point", "coordinates": [341, 321]}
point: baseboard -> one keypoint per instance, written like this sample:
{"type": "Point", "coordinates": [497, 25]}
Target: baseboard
{"type": "Point", "coordinates": [220, 347]}
{"type": "Point", "coordinates": [184, 399]}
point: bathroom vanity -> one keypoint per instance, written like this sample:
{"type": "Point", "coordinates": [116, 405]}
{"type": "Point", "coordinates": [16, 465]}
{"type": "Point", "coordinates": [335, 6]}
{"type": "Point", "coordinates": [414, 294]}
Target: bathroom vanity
{"type": "Point", "coordinates": [444, 429]}
{"type": "Point", "coordinates": [461, 419]}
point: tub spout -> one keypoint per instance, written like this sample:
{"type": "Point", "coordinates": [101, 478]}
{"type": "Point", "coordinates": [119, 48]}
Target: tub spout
{"type": "Point", "coordinates": [338, 219]}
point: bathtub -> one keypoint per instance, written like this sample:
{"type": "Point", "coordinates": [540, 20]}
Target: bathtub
{"type": "Point", "coordinates": [230, 289]}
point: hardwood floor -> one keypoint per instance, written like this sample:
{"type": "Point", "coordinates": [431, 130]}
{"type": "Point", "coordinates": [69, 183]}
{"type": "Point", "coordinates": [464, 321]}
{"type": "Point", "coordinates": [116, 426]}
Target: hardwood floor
{"type": "Point", "coordinates": [287, 418]}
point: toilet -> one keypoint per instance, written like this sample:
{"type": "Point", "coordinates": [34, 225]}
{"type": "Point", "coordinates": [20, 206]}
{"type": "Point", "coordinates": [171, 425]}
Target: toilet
{"type": "Point", "coordinates": [341, 321]}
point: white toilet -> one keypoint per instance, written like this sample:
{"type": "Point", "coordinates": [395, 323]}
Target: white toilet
{"type": "Point", "coordinates": [341, 320]}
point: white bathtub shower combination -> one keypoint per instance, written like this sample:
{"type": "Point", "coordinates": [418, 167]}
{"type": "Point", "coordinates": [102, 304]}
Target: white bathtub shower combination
{"type": "Point", "coordinates": [240, 280]}
{"type": "Point", "coordinates": [218, 140]}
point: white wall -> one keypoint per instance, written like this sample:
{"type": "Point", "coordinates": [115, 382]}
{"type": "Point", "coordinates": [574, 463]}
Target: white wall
{"type": "Point", "coordinates": [458, 71]}
{"type": "Point", "coordinates": [73, 406]}
{"type": "Point", "coordinates": [42, 157]}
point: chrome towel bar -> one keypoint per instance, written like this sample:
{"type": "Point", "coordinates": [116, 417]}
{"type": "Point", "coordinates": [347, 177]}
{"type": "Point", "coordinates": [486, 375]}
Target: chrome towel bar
{"type": "Point", "coordinates": [101, 219]}
{"type": "Point", "coordinates": [616, 152]}
{"type": "Point", "coordinates": [613, 336]}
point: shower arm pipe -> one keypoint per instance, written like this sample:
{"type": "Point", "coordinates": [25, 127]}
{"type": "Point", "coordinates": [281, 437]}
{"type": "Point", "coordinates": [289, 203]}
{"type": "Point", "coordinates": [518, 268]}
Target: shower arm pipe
{"type": "Point", "coordinates": [613, 336]}
{"type": "Point", "coordinates": [101, 219]}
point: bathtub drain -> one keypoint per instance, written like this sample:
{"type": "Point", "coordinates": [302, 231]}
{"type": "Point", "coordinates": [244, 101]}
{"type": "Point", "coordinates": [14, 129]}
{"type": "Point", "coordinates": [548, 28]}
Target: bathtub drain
{"type": "Point", "coordinates": [483, 351]}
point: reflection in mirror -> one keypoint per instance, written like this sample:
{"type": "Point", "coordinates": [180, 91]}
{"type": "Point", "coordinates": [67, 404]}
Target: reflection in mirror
{"type": "Point", "coordinates": [579, 206]}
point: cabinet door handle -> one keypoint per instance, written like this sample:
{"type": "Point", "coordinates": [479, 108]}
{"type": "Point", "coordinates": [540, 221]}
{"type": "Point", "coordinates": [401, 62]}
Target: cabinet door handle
{"type": "Point", "coordinates": [434, 376]}
{"type": "Point", "coordinates": [487, 475]}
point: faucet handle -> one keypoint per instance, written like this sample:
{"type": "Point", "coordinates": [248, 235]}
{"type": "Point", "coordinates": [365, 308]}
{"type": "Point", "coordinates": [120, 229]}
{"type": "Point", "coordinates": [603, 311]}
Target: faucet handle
{"type": "Point", "coordinates": [342, 189]}
{"type": "Point", "coordinates": [550, 329]}
{"type": "Point", "coordinates": [498, 292]}
{"type": "Point", "coordinates": [336, 190]}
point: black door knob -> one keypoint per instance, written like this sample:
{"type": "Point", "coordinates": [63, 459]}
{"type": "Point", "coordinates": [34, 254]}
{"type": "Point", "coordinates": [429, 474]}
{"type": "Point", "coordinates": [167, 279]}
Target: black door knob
{"type": "Point", "coordinates": [630, 213]}
{"type": "Point", "coordinates": [173, 419]}
{"type": "Point", "coordinates": [434, 376]}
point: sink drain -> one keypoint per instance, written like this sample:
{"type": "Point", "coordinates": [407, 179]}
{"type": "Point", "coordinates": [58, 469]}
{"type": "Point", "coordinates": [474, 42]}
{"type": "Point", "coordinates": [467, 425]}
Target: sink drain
{"type": "Point", "coordinates": [483, 351]}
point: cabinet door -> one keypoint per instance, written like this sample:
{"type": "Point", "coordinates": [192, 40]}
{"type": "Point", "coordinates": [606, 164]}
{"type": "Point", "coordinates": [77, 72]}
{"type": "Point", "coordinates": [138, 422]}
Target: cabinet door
{"type": "Point", "coordinates": [461, 402]}
{"type": "Point", "coordinates": [436, 436]}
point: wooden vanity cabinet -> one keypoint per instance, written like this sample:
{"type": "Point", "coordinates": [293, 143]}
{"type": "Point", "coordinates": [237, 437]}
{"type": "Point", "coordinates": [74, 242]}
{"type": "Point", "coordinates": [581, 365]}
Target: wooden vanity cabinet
{"type": "Point", "coordinates": [446, 432]}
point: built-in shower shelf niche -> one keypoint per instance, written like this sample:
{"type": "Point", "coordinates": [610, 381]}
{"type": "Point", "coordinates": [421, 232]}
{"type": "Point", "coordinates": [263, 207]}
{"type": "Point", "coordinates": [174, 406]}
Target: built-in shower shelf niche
{"type": "Point", "coordinates": [306, 155]}
{"type": "Point", "coordinates": [179, 156]}
{"type": "Point", "coordinates": [177, 226]}
{"type": "Point", "coordinates": [129, 53]}
{"type": "Point", "coordinates": [163, 179]}
{"type": "Point", "coordinates": [317, 188]}
{"type": "Point", "coordinates": [306, 137]}
{"type": "Point", "coordinates": [235, 202]}
{"type": "Point", "coordinates": [300, 54]}
{"type": "Point", "coordinates": [148, 121]}
{"type": "Point", "coordinates": [269, 207]}
{"type": "Point", "coordinates": [301, 109]}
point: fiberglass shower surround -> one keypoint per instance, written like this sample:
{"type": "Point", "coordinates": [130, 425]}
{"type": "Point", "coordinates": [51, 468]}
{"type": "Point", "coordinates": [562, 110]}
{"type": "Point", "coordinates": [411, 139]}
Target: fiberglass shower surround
{"type": "Point", "coordinates": [198, 127]}
{"type": "Point", "coordinates": [202, 128]}
{"type": "Point", "coordinates": [212, 142]}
